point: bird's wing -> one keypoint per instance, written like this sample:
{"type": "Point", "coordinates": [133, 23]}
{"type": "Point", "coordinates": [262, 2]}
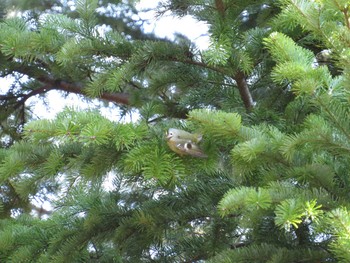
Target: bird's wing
{"type": "Point", "coordinates": [191, 149]}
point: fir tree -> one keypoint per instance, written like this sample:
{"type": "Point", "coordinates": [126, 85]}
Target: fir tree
{"type": "Point", "coordinates": [274, 119]}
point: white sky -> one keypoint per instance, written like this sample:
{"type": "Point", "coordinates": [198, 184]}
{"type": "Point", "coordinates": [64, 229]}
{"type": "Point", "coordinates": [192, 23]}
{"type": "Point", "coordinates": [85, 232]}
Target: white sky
{"type": "Point", "coordinates": [167, 25]}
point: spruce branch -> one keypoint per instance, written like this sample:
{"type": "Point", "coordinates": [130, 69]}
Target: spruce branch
{"type": "Point", "coordinates": [220, 7]}
{"type": "Point", "coordinates": [239, 77]}
{"type": "Point", "coordinates": [32, 93]}
{"type": "Point", "coordinates": [120, 98]}
{"type": "Point", "coordinates": [244, 90]}
{"type": "Point", "coordinates": [346, 17]}
{"type": "Point", "coordinates": [332, 117]}
{"type": "Point", "coordinates": [40, 211]}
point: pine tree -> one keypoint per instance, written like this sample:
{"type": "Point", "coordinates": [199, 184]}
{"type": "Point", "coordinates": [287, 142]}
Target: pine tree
{"type": "Point", "coordinates": [273, 115]}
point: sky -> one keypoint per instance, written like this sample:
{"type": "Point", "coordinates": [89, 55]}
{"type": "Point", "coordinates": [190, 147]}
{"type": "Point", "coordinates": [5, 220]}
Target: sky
{"type": "Point", "coordinates": [165, 27]}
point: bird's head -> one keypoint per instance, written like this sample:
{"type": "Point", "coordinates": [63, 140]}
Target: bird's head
{"type": "Point", "coordinates": [170, 134]}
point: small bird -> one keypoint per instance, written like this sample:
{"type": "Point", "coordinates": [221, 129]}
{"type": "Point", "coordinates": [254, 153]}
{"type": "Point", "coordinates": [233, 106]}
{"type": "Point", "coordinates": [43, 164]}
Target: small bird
{"type": "Point", "coordinates": [184, 143]}
{"type": "Point", "coordinates": [181, 135]}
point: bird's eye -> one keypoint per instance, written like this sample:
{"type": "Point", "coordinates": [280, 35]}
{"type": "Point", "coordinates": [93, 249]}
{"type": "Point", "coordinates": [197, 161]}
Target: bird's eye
{"type": "Point", "coordinates": [170, 133]}
{"type": "Point", "coordinates": [188, 145]}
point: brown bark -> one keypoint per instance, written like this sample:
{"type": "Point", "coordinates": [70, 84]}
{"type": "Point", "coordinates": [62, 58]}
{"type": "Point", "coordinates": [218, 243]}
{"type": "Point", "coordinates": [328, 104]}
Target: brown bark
{"type": "Point", "coordinates": [51, 84]}
{"type": "Point", "coordinates": [239, 77]}
{"type": "Point", "coordinates": [243, 89]}
{"type": "Point", "coordinates": [120, 98]}
{"type": "Point", "coordinates": [219, 4]}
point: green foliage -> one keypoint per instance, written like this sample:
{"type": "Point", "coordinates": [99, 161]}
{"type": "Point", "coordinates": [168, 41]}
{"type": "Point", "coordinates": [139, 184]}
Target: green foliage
{"type": "Point", "coordinates": [244, 198]}
{"type": "Point", "coordinates": [154, 163]}
{"type": "Point", "coordinates": [275, 185]}
{"type": "Point", "coordinates": [338, 221]}
{"type": "Point", "coordinates": [296, 65]}
{"type": "Point", "coordinates": [217, 54]}
{"type": "Point", "coordinates": [217, 123]}
{"type": "Point", "coordinates": [268, 253]}
{"type": "Point", "coordinates": [289, 213]}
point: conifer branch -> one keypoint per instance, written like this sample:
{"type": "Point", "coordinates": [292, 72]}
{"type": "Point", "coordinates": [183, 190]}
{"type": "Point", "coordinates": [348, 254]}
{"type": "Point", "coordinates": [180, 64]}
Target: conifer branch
{"type": "Point", "coordinates": [120, 98]}
{"type": "Point", "coordinates": [53, 84]}
{"type": "Point", "coordinates": [346, 16]}
{"type": "Point", "coordinates": [219, 4]}
{"type": "Point", "coordinates": [33, 93]}
{"type": "Point", "coordinates": [244, 90]}
{"type": "Point", "coordinates": [40, 211]}
{"type": "Point", "coordinates": [240, 79]}
{"type": "Point", "coordinates": [333, 118]}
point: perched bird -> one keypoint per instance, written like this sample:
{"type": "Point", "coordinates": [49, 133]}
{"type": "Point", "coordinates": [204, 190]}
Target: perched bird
{"type": "Point", "coordinates": [183, 136]}
{"type": "Point", "coordinates": [184, 143]}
